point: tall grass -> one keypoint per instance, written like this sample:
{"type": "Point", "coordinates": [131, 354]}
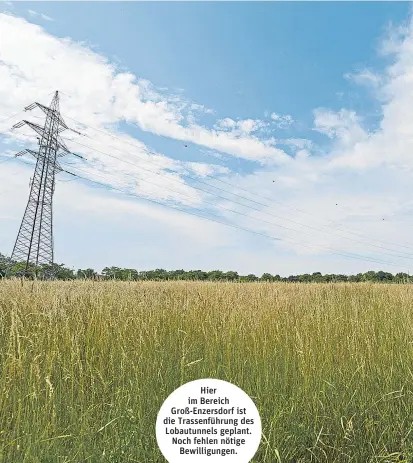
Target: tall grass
{"type": "Point", "coordinates": [85, 366]}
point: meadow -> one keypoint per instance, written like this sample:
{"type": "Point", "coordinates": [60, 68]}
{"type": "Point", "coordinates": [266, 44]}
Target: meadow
{"type": "Point", "coordinates": [85, 366]}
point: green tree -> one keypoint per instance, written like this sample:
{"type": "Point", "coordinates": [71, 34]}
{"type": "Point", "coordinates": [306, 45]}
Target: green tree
{"type": "Point", "coordinates": [267, 277]}
{"type": "Point", "coordinates": [86, 274]}
{"type": "Point", "coordinates": [215, 275]}
{"type": "Point", "coordinates": [384, 276]}
{"type": "Point", "coordinates": [230, 276]}
{"type": "Point", "coordinates": [306, 278]}
{"type": "Point", "coordinates": [111, 273]}
{"type": "Point", "coordinates": [369, 276]}
{"type": "Point", "coordinates": [402, 278]}
{"type": "Point", "coordinates": [57, 271]}
{"type": "Point", "coordinates": [317, 277]}
{"type": "Point", "coordinates": [177, 275]}
{"type": "Point", "coordinates": [197, 275]}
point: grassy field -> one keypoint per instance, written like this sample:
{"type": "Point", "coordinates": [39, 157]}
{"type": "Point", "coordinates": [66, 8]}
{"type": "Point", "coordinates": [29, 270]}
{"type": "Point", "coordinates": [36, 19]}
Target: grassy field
{"type": "Point", "coordinates": [85, 366]}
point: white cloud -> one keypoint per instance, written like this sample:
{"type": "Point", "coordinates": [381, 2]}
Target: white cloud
{"type": "Point", "coordinates": [298, 143]}
{"type": "Point", "coordinates": [343, 125]}
{"type": "Point", "coordinates": [204, 170]}
{"type": "Point", "coordinates": [41, 15]}
{"type": "Point", "coordinates": [106, 95]}
{"type": "Point", "coordinates": [391, 144]}
{"type": "Point", "coordinates": [243, 127]}
{"type": "Point", "coordinates": [281, 122]}
{"type": "Point", "coordinates": [360, 182]}
{"type": "Point", "coordinates": [226, 123]}
{"type": "Point", "coordinates": [31, 76]}
{"type": "Point", "coordinates": [366, 77]}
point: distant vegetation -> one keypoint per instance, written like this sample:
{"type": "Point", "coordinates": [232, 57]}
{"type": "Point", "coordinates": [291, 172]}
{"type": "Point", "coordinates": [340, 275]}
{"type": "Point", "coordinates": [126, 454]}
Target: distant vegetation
{"type": "Point", "coordinates": [60, 272]}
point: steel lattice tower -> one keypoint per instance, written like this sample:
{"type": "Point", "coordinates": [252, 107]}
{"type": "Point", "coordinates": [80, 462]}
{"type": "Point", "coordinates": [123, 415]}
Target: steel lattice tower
{"type": "Point", "coordinates": [34, 243]}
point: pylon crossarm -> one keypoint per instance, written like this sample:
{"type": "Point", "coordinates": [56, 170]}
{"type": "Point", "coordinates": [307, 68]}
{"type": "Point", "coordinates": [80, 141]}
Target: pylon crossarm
{"type": "Point", "coordinates": [21, 153]}
{"type": "Point", "coordinates": [27, 151]}
{"type": "Point", "coordinates": [47, 111]}
{"type": "Point", "coordinates": [60, 155]}
{"type": "Point", "coordinates": [18, 125]}
{"type": "Point", "coordinates": [62, 146]}
{"type": "Point", "coordinates": [78, 133]}
{"type": "Point", "coordinates": [77, 155]}
{"type": "Point", "coordinates": [70, 173]}
{"type": "Point", "coordinates": [31, 106]}
{"type": "Point", "coordinates": [37, 128]}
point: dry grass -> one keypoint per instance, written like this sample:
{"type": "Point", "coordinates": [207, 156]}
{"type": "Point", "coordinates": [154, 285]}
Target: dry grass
{"type": "Point", "coordinates": [85, 366]}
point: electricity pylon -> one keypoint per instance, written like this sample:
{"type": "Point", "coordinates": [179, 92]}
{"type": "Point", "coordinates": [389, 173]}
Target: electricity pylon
{"type": "Point", "coordinates": [34, 242]}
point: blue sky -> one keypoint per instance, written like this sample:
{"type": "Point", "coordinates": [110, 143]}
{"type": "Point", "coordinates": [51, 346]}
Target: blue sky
{"type": "Point", "coordinates": [239, 58]}
{"type": "Point", "coordinates": [292, 102]}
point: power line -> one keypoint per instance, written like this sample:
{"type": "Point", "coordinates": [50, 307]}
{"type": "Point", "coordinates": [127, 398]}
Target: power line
{"type": "Point", "coordinates": [406, 256]}
{"type": "Point", "coordinates": [240, 213]}
{"type": "Point", "coordinates": [334, 227]}
{"type": "Point", "coordinates": [244, 205]}
{"type": "Point", "coordinates": [244, 189]}
{"type": "Point", "coordinates": [329, 250]}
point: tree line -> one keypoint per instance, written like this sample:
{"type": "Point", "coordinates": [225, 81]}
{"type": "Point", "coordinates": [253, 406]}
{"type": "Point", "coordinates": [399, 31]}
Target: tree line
{"type": "Point", "coordinates": [9, 268]}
